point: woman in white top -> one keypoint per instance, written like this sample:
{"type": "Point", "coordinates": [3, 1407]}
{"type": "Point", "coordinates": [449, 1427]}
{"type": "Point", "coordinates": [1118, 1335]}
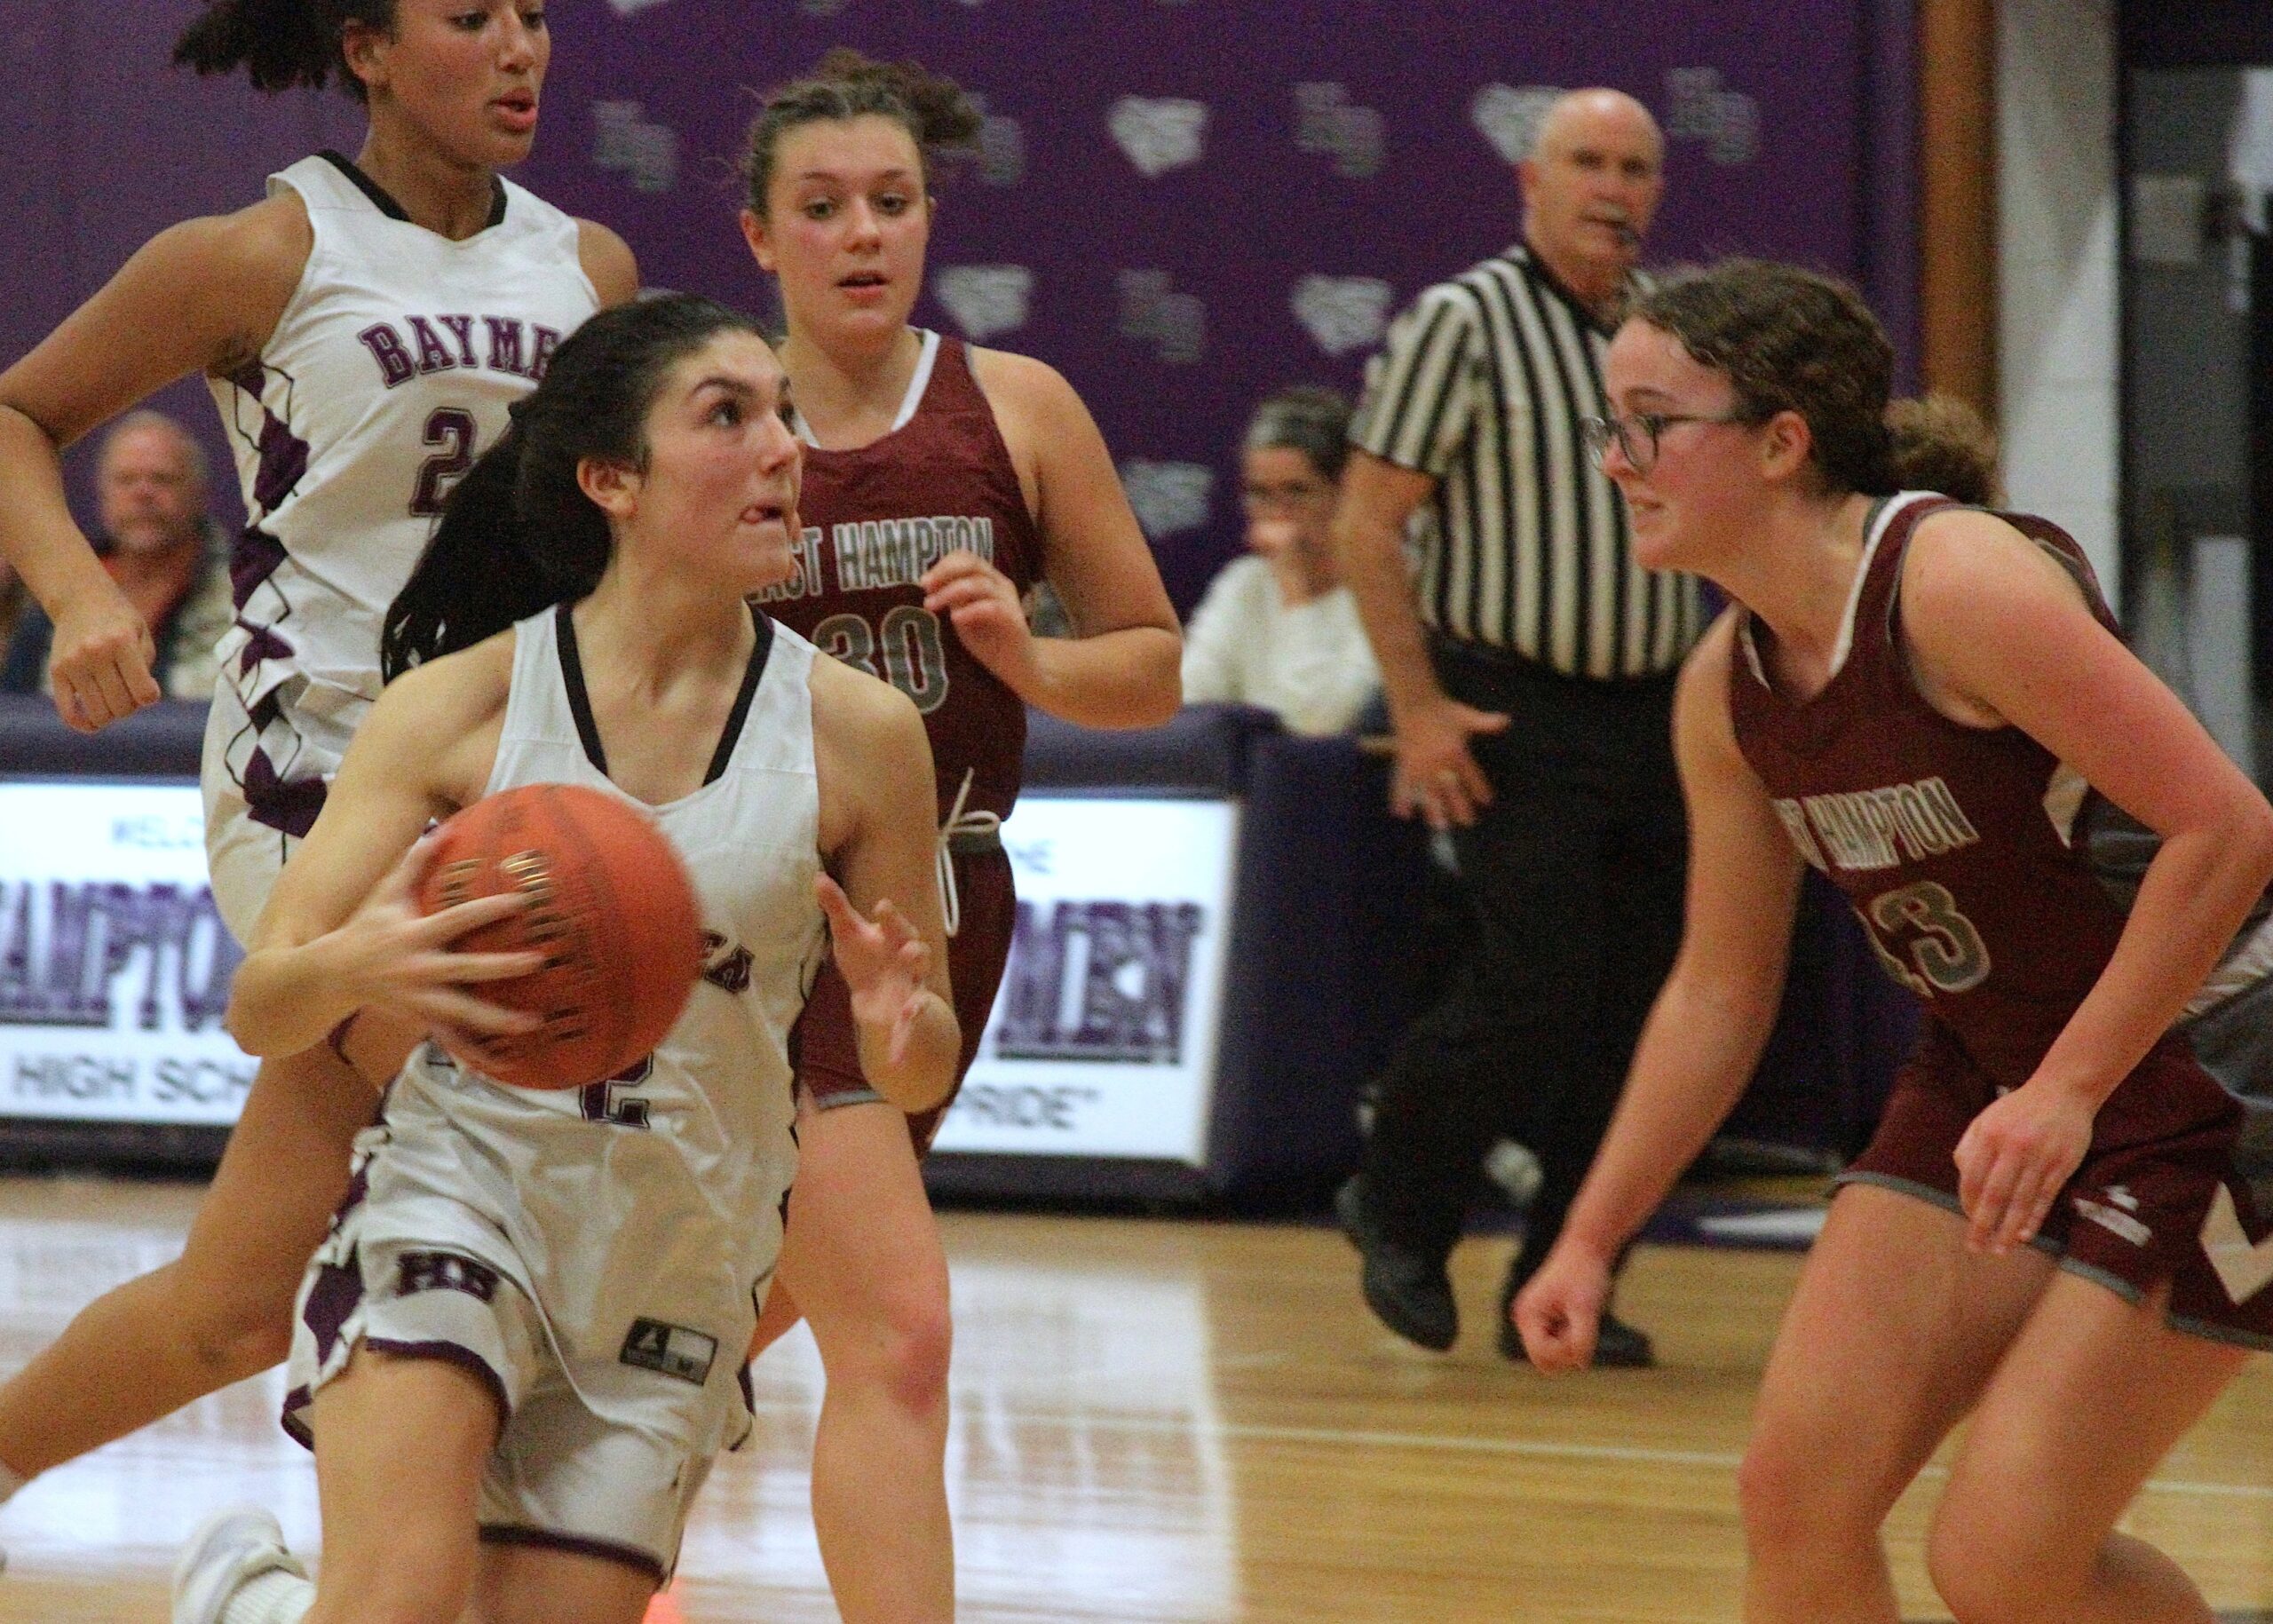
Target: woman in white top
{"type": "Point", "coordinates": [521, 1347]}
{"type": "Point", "coordinates": [364, 328]}
{"type": "Point", "coordinates": [1277, 628]}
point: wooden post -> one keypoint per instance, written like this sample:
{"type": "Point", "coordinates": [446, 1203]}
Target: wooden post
{"type": "Point", "coordinates": [1957, 74]}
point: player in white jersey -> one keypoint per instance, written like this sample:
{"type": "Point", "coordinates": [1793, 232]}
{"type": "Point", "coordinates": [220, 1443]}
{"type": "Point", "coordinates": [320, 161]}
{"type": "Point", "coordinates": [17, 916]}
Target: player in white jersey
{"type": "Point", "coordinates": [521, 1345]}
{"type": "Point", "coordinates": [364, 328]}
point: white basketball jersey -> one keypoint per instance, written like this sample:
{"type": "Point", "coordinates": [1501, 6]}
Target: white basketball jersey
{"type": "Point", "coordinates": [643, 1215]}
{"type": "Point", "coordinates": [390, 370]}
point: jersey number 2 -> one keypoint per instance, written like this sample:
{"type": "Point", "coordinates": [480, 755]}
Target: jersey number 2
{"type": "Point", "coordinates": [453, 428]}
{"type": "Point", "coordinates": [613, 1102]}
{"type": "Point", "coordinates": [908, 638]}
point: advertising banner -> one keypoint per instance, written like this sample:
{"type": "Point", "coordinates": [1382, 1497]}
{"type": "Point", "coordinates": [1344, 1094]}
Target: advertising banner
{"type": "Point", "coordinates": [115, 971]}
{"type": "Point", "coordinates": [1103, 1040]}
{"type": "Point", "coordinates": [115, 965]}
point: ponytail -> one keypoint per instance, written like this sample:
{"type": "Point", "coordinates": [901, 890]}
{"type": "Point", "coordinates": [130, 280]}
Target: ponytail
{"type": "Point", "coordinates": [281, 43]}
{"type": "Point", "coordinates": [517, 533]}
{"type": "Point", "coordinates": [1939, 443]}
{"type": "Point", "coordinates": [487, 567]}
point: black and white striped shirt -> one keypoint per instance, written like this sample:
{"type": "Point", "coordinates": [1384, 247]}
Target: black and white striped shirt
{"type": "Point", "coordinates": [1523, 543]}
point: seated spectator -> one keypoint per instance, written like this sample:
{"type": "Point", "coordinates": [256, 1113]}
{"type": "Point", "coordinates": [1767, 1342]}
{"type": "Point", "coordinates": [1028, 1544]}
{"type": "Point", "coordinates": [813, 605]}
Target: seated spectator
{"type": "Point", "coordinates": [166, 554]}
{"type": "Point", "coordinates": [1278, 628]}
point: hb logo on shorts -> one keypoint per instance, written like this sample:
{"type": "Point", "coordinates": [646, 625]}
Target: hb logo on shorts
{"type": "Point", "coordinates": [418, 1272]}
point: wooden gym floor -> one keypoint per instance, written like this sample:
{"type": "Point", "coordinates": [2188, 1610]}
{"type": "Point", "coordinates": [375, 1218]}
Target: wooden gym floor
{"type": "Point", "coordinates": [1154, 1420]}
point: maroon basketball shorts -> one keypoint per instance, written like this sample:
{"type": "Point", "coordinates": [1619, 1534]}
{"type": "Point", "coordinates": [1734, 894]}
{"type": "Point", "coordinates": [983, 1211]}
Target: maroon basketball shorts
{"type": "Point", "coordinates": [828, 1062]}
{"type": "Point", "coordinates": [2157, 1199]}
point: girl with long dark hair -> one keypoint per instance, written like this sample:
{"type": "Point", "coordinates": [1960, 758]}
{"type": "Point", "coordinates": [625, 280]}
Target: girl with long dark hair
{"type": "Point", "coordinates": [519, 1348]}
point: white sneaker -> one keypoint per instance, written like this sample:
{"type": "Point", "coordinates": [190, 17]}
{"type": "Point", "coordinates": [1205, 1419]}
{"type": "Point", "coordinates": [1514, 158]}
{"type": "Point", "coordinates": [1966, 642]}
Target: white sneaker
{"type": "Point", "coordinates": [228, 1549]}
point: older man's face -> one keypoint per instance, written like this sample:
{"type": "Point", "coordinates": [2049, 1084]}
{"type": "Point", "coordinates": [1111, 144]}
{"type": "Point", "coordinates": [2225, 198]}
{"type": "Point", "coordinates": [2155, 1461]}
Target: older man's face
{"type": "Point", "coordinates": [148, 492]}
{"type": "Point", "coordinates": [1593, 184]}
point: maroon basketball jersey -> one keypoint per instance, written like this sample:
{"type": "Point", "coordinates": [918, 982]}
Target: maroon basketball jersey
{"type": "Point", "coordinates": [874, 521]}
{"type": "Point", "coordinates": [1958, 846]}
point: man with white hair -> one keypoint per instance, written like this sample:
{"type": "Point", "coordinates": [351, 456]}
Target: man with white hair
{"type": "Point", "coordinates": [1529, 670]}
{"type": "Point", "coordinates": [164, 551]}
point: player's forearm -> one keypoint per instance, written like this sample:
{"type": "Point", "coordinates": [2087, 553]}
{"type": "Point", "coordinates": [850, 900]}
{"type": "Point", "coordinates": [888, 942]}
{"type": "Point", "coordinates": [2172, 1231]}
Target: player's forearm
{"type": "Point", "coordinates": [1372, 558]}
{"type": "Point", "coordinates": [925, 1071]}
{"type": "Point", "coordinates": [283, 999]}
{"type": "Point", "coordinates": [2195, 895]}
{"type": "Point", "coordinates": [1131, 677]}
{"type": "Point", "coordinates": [1695, 1056]}
{"type": "Point", "coordinates": [37, 536]}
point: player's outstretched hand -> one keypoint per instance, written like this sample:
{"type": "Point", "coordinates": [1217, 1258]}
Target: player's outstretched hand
{"type": "Point", "coordinates": [99, 662]}
{"type": "Point", "coordinates": [1437, 777]}
{"type": "Point", "coordinates": [1559, 1312]}
{"type": "Point", "coordinates": [393, 956]}
{"type": "Point", "coordinates": [988, 617]}
{"type": "Point", "coordinates": [882, 960]}
{"type": "Point", "coordinates": [2014, 1160]}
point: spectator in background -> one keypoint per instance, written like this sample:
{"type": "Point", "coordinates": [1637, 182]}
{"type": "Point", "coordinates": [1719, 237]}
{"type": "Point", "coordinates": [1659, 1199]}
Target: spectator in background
{"type": "Point", "coordinates": [1277, 628]}
{"type": "Point", "coordinates": [162, 549]}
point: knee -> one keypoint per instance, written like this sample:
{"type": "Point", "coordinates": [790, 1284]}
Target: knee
{"type": "Point", "coordinates": [1789, 1509]}
{"type": "Point", "coordinates": [900, 1354]}
{"type": "Point", "coordinates": [234, 1331]}
{"type": "Point", "coordinates": [919, 1340]}
{"type": "Point", "coordinates": [1982, 1572]}
{"type": "Point", "coordinates": [1966, 1582]}
{"type": "Point", "coordinates": [1771, 1497]}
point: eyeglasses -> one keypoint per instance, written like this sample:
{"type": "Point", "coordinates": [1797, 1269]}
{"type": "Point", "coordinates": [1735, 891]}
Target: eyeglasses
{"type": "Point", "coordinates": [1637, 436]}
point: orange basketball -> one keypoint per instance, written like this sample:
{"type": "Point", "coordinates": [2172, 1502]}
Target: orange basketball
{"type": "Point", "coordinates": [611, 909]}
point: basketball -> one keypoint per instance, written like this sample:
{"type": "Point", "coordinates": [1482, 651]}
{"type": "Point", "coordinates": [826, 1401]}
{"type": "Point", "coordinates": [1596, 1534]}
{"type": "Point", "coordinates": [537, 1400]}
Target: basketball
{"type": "Point", "coordinates": [612, 909]}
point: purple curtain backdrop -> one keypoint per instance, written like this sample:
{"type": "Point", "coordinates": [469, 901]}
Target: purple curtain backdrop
{"type": "Point", "coordinates": [1180, 203]}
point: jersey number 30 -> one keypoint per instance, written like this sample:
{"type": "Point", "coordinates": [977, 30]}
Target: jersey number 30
{"type": "Point", "coordinates": [904, 649]}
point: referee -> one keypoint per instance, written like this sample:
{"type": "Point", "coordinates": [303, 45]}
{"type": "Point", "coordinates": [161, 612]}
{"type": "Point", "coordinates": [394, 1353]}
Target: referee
{"type": "Point", "coordinates": [1530, 690]}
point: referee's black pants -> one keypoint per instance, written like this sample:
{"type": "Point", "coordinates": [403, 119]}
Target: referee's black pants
{"type": "Point", "coordinates": [1574, 876]}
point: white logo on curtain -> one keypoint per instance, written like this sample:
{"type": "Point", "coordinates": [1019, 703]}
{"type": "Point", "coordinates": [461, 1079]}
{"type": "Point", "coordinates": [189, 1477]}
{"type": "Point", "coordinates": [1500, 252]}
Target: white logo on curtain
{"type": "Point", "coordinates": [1169, 498]}
{"type": "Point", "coordinates": [1002, 147]}
{"type": "Point", "coordinates": [986, 299]}
{"type": "Point", "coordinates": [624, 8]}
{"type": "Point", "coordinates": [1174, 324]}
{"type": "Point", "coordinates": [1343, 313]}
{"type": "Point", "coordinates": [624, 140]}
{"type": "Point", "coordinates": [1728, 122]}
{"type": "Point", "coordinates": [1158, 134]}
{"type": "Point", "coordinates": [1509, 118]}
{"type": "Point", "coordinates": [1327, 121]}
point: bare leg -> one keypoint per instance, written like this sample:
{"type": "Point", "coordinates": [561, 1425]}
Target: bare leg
{"type": "Point", "coordinates": [1893, 1332]}
{"type": "Point", "coordinates": [862, 1258]}
{"type": "Point", "coordinates": [222, 1310]}
{"type": "Point", "coordinates": [2091, 1397]}
{"type": "Point", "coordinates": [400, 1443]}
{"type": "Point", "coordinates": [520, 1584]}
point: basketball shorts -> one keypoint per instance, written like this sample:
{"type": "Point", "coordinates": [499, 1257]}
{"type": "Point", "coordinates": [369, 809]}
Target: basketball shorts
{"type": "Point", "coordinates": [243, 857]}
{"type": "Point", "coordinates": [2161, 1196]}
{"type": "Point", "coordinates": [562, 1475]}
{"type": "Point", "coordinates": [829, 1060]}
